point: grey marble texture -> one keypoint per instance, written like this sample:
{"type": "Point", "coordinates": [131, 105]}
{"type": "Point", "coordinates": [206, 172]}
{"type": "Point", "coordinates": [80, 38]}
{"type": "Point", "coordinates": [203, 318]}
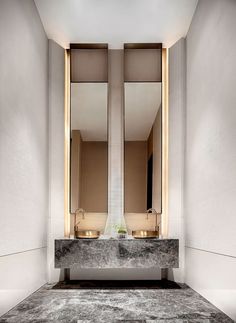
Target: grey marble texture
{"type": "Point", "coordinates": [131, 305]}
{"type": "Point", "coordinates": [107, 253]}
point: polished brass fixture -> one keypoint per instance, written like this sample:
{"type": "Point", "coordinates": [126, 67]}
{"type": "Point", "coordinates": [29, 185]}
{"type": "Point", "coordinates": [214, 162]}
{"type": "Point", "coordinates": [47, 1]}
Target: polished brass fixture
{"type": "Point", "coordinates": [77, 211]}
{"type": "Point", "coordinates": [83, 234]}
{"type": "Point", "coordinates": [148, 234]}
{"type": "Point", "coordinates": [153, 211]}
{"type": "Point", "coordinates": [87, 234]}
{"type": "Point", "coordinates": [145, 234]}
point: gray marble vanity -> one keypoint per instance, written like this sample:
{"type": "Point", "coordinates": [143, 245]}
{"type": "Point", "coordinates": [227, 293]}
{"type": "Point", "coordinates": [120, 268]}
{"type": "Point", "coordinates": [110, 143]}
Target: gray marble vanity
{"type": "Point", "coordinates": [114, 253]}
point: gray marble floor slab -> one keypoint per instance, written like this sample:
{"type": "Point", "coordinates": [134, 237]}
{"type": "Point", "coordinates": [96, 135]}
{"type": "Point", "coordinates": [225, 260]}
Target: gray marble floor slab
{"type": "Point", "coordinates": [125, 305]}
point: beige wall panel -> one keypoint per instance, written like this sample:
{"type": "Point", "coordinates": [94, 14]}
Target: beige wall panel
{"type": "Point", "coordinates": [88, 65]}
{"type": "Point", "coordinates": [177, 72]}
{"type": "Point", "coordinates": [56, 220]}
{"type": "Point", "coordinates": [24, 151]}
{"type": "Point", "coordinates": [210, 153]}
{"type": "Point", "coordinates": [143, 65]}
{"type": "Point", "coordinates": [116, 140]}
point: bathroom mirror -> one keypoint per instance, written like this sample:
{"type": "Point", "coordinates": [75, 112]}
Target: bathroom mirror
{"type": "Point", "coordinates": [142, 166]}
{"type": "Point", "coordinates": [89, 147]}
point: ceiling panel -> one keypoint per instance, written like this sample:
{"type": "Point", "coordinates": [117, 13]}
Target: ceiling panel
{"type": "Point", "coordinates": [116, 21]}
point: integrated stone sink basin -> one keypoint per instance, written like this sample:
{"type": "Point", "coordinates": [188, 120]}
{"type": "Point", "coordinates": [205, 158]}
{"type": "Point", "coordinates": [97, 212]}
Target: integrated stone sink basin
{"type": "Point", "coordinates": [145, 234]}
{"type": "Point", "coordinates": [87, 234]}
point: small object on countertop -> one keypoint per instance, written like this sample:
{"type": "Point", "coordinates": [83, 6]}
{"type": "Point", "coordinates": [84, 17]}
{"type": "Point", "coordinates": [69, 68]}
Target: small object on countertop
{"type": "Point", "coordinates": [121, 231]}
{"type": "Point", "coordinates": [121, 235]}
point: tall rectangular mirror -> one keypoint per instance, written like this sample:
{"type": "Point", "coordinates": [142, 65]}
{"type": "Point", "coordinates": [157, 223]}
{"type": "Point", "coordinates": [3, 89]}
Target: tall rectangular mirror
{"type": "Point", "coordinates": [89, 147]}
{"type": "Point", "coordinates": [143, 128]}
{"type": "Point", "coordinates": [88, 135]}
{"type": "Point", "coordinates": [142, 147]}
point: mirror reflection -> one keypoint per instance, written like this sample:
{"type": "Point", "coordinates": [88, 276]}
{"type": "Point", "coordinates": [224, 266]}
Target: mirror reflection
{"type": "Point", "coordinates": [142, 147]}
{"type": "Point", "coordinates": [89, 147]}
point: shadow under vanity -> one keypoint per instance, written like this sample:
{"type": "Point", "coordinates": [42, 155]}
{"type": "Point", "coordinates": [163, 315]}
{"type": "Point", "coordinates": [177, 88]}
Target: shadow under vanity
{"type": "Point", "coordinates": [125, 84]}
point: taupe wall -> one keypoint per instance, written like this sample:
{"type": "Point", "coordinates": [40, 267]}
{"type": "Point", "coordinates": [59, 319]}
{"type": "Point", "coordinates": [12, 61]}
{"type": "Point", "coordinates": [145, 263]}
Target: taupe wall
{"type": "Point", "coordinates": [23, 150]}
{"type": "Point", "coordinates": [88, 65]}
{"type": "Point", "coordinates": [210, 165]}
{"type": "Point", "coordinates": [135, 176]}
{"type": "Point", "coordinates": [89, 174]}
{"type": "Point", "coordinates": [143, 65]}
{"type": "Point", "coordinates": [94, 180]}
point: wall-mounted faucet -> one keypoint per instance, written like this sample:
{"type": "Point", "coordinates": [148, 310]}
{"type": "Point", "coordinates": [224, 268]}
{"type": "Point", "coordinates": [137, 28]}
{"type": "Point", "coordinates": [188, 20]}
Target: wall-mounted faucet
{"type": "Point", "coordinates": [78, 211]}
{"type": "Point", "coordinates": [153, 211]}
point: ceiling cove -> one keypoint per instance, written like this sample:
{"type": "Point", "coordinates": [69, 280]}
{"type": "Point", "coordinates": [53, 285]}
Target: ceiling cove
{"type": "Point", "coordinates": [116, 21]}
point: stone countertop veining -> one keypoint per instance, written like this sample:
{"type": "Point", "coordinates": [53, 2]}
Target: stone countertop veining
{"type": "Point", "coordinates": [116, 253]}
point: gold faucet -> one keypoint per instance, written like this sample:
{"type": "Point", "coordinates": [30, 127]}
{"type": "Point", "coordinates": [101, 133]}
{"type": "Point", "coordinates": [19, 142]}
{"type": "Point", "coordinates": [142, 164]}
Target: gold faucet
{"type": "Point", "coordinates": [78, 211]}
{"type": "Point", "coordinates": [153, 211]}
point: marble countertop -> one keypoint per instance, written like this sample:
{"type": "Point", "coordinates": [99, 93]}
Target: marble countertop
{"type": "Point", "coordinates": [128, 238]}
{"type": "Point", "coordinates": [116, 253]}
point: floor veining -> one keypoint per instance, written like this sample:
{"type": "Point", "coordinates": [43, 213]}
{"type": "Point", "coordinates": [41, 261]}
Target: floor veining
{"type": "Point", "coordinates": [81, 303]}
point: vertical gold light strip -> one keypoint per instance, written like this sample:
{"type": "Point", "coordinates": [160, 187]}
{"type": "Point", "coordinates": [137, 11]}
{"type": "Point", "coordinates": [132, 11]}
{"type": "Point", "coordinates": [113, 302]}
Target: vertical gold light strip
{"type": "Point", "coordinates": [67, 146]}
{"type": "Point", "coordinates": [165, 141]}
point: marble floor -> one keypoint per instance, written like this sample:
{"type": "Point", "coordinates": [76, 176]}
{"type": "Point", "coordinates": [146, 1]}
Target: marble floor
{"type": "Point", "coordinates": [81, 302]}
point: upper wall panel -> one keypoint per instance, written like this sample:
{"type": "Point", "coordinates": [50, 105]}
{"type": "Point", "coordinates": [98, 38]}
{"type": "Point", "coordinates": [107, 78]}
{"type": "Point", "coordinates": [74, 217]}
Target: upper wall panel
{"type": "Point", "coordinates": [89, 65]}
{"type": "Point", "coordinates": [143, 63]}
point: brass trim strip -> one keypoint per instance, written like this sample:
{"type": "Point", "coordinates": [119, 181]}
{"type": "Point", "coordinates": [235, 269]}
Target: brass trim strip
{"type": "Point", "coordinates": [165, 141]}
{"type": "Point", "coordinates": [67, 146]}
